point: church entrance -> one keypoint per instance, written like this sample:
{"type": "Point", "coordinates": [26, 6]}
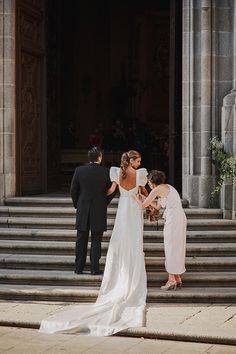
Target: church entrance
{"type": "Point", "coordinates": [104, 73]}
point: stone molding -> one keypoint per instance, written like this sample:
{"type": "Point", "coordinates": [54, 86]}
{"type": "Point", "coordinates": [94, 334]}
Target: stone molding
{"type": "Point", "coordinates": [7, 99]}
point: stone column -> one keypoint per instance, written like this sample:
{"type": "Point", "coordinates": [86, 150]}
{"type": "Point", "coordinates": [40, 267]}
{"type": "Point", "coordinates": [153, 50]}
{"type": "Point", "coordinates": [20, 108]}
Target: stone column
{"type": "Point", "coordinates": [228, 130]}
{"type": "Point", "coordinates": [7, 99]}
{"type": "Point", "coordinates": [206, 79]}
{"type": "Point", "coordinates": [228, 194]}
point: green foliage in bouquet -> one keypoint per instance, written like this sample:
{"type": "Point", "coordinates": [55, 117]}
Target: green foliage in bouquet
{"type": "Point", "coordinates": [225, 164]}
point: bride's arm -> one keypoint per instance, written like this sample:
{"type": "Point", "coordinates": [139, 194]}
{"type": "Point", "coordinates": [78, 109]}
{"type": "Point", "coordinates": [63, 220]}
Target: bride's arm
{"type": "Point", "coordinates": [112, 188]}
{"type": "Point", "coordinates": [143, 191]}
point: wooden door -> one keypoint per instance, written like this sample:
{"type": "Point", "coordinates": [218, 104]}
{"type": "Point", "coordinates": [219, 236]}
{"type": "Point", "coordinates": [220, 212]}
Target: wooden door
{"type": "Point", "coordinates": [30, 97]}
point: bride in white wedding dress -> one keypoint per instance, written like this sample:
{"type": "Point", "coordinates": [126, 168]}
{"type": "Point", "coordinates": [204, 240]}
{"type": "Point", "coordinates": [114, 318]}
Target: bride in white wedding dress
{"type": "Point", "coordinates": [122, 297]}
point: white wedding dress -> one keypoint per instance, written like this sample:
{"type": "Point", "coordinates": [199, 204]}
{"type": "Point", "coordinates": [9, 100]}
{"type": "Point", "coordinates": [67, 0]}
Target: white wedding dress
{"type": "Point", "coordinates": [122, 296]}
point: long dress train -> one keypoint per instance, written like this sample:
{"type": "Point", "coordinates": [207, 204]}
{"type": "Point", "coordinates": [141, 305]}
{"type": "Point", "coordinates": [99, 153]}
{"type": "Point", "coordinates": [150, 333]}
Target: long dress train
{"type": "Point", "coordinates": [122, 296]}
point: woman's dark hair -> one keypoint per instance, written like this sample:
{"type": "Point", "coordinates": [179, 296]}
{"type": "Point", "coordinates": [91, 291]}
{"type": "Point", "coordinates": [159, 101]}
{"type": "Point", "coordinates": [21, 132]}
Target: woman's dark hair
{"type": "Point", "coordinates": [94, 154]}
{"type": "Point", "coordinates": [156, 177]}
{"type": "Point", "coordinates": [125, 159]}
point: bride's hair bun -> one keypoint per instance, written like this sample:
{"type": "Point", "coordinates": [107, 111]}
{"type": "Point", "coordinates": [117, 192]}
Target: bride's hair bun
{"type": "Point", "coordinates": [125, 160]}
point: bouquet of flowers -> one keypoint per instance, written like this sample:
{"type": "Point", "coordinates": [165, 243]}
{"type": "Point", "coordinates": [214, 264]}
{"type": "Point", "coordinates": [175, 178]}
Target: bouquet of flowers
{"type": "Point", "coordinates": [151, 214]}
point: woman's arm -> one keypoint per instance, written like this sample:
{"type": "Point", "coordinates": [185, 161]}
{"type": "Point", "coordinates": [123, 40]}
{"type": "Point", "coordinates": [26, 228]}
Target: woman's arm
{"type": "Point", "coordinates": [111, 189]}
{"type": "Point", "coordinates": [157, 206]}
{"type": "Point", "coordinates": [150, 199]}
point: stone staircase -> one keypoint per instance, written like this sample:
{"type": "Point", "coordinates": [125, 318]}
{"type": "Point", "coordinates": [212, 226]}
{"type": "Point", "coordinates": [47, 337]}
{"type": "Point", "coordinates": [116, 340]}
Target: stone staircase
{"type": "Point", "coordinates": [37, 254]}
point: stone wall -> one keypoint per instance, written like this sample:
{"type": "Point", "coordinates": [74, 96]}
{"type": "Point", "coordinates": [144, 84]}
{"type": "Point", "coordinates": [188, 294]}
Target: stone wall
{"type": "Point", "coordinates": [207, 78]}
{"type": "Point", "coordinates": [7, 99]}
{"type": "Point", "coordinates": [228, 132]}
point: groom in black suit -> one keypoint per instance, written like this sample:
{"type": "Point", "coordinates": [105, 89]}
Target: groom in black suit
{"type": "Point", "coordinates": [88, 191]}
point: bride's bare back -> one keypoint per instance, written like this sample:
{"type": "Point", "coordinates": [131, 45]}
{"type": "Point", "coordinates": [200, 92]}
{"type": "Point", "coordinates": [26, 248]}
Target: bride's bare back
{"type": "Point", "coordinates": [129, 182]}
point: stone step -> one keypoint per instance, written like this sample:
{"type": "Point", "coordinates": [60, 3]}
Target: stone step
{"type": "Point", "coordinates": [69, 223]}
{"type": "Point", "coordinates": [155, 236]}
{"type": "Point", "coordinates": [47, 201]}
{"type": "Point", "coordinates": [56, 262]}
{"type": "Point", "coordinates": [64, 212]}
{"type": "Point", "coordinates": [55, 277]}
{"type": "Point", "coordinates": [150, 249]}
{"type": "Point", "coordinates": [54, 200]}
{"type": "Point", "coordinates": [88, 294]}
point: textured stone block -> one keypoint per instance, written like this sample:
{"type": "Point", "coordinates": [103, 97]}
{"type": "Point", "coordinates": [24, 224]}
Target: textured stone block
{"type": "Point", "coordinates": [9, 164]}
{"type": "Point", "coordinates": [205, 143]}
{"type": "Point", "coordinates": [9, 96]}
{"type": "Point", "coordinates": [206, 14]}
{"type": "Point", "coordinates": [9, 6]}
{"type": "Point", "coordinates": [196, 165]}
{"type": "Point", "coordinates": [185, 144]}
{"type": "Point", "coordinates": [225, 4]}
{"type": "Point", "coordinates": [206, 93]}
{"type": "Point", "coordinates": [223, 44]}
{"type": "Point", "coordinates": [194, 190]}
{"type": "Point", "coordinates": [196, 123]}
{"type": "Point", "coordinates": [197, 69]}
{"type": "Point", "coordinates": [185, 119]}
{"type": "Point", "coordinates": [185, 93]}
{"type": "Point", "coordinates": [1, 95]}
{"type": "Point", "coordinates": [225, 68]}
{"type": "Point", "coordinates": [9, 47]}
{"type": "Point", "coordinates": [202, 118]}
{"type": "Point", "coordinates": [185, 49]}
{"type": "Point", "coordinates": [10, 184]}
{"type": "Point", "coordinates": [1, 71]}
{"type": "Point", "coordinates": [227, 195]}
{"type": "Point", "coordinates": [9, 120]}
{"type": "Point", "coordinates": [205, 189]}
{"type": "Point", "coordinates": [222, 89]}
{"type": "Point", "coordinates": [9, 72]}
{"type": "Point", "coordinates": [197, 144]}
{"type": "Point", "coordinates": [223, 19]}
{"type": "Point", "coordinates": [197, 94]}
{"type": "Point", "coordinates": [1, 187]}
{"type": "Point", "coordinates": [197, 19]}
{"type": "Point", "coordinates": [9, 145]}
{"type": "Point", "coordinates": [9, 25]}
{"type": "Point", "coordinates": [1, 120]}
{"type": "Point", "coordinates": [185, 166]}
{"type": "Point", "coordinates": [206, 69]}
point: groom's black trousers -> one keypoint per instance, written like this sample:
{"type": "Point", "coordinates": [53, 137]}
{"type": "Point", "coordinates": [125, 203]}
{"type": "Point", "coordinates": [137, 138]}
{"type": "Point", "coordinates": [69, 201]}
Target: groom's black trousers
{"type": "Point", "coordinates": [81, 250]}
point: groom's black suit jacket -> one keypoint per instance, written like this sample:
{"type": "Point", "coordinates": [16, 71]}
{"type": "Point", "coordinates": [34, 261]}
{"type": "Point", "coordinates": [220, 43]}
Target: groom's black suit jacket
{"type": "Point", "coordinates": [88, 192]}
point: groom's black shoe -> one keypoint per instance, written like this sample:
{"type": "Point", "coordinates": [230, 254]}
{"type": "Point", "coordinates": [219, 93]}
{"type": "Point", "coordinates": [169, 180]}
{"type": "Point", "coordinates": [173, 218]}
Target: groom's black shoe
{"type": "Point", "coordinates": [96, 272]}
{"type": "Point", "coordinates": [78, 271]}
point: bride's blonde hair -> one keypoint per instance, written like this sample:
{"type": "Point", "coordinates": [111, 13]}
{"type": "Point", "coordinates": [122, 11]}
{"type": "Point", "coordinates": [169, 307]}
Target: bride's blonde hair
{"type": "Point", "coordinates": [125, 160]}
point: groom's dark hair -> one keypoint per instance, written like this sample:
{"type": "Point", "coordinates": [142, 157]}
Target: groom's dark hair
{"type": "Point", "coordinates": [94, 154]}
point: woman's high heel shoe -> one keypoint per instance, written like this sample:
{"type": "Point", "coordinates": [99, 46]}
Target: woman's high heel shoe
{"type": "Point", "coordinates": [179, 284]}
{"type": "Point", "coordinates": [170, 285]}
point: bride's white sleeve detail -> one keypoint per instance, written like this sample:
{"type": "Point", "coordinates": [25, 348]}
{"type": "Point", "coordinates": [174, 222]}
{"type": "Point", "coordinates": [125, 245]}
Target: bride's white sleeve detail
{"type": "Point", "coordinates": [114, 174]}
{"type": "Point", "coordinates": [142, 176]}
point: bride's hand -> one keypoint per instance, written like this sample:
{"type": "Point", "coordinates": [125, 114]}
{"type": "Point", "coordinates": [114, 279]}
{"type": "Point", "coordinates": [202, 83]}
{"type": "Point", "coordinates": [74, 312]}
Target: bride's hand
{"type": "Point", "coordinates": [135, 197]}
{"type": "Point", "coordinates": [141, 197]}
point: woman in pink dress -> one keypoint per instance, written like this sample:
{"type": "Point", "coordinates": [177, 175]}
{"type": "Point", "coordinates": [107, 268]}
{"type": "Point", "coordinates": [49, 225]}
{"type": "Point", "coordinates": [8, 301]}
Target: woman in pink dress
{"type": "Point", "coordinates": [174, 228]}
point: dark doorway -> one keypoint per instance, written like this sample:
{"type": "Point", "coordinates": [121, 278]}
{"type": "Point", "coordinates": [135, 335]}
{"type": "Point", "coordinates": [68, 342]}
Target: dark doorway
{"type": "Point", "coordinates": [112, 78]}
